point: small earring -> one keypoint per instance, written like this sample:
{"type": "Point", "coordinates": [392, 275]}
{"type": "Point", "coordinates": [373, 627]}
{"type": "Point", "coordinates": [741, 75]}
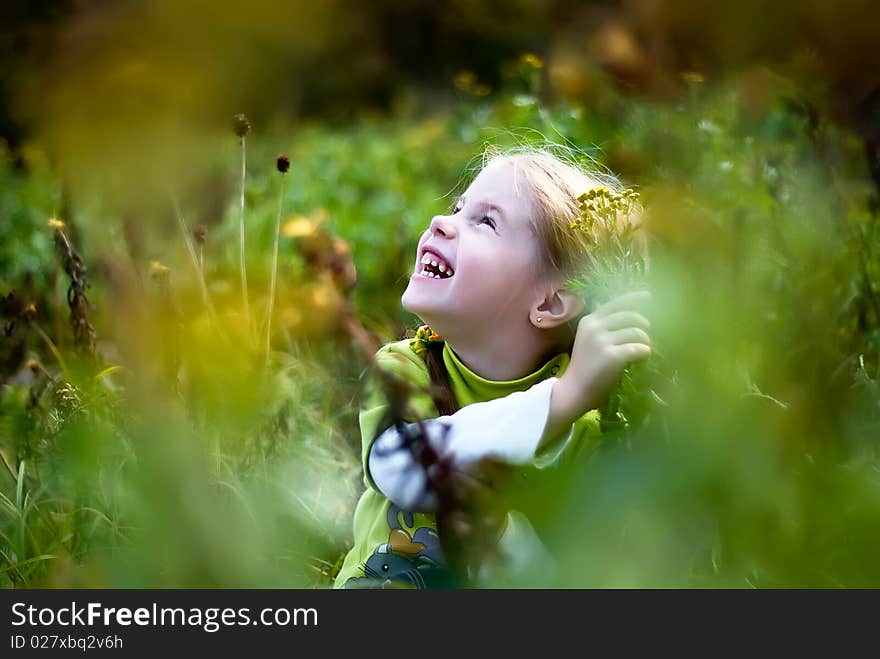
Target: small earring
{"type": "Point", "coordinates": [539, 319]}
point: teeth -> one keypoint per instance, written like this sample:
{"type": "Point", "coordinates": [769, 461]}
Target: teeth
{"type": "Point", "coordinates": [428, 259]}
{"type": "Point", "coordinates": [427, 273]}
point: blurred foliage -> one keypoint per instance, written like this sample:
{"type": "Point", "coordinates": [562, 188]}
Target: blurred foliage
{"type": "Point", "coordinates": [171, 455]}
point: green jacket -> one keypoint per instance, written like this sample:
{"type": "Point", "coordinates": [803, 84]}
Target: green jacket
{"type": "Point", "coordinates": [390, 543]}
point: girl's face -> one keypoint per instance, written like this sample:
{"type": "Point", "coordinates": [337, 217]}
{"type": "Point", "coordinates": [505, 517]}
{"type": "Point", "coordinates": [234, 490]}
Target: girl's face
{"type": "Point", "coordinates": [477, 266]}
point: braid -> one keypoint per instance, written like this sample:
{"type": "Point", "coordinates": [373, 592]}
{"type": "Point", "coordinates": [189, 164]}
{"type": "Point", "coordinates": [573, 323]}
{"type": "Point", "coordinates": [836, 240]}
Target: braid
{"type": "Point", "coordinates": [441, 388]}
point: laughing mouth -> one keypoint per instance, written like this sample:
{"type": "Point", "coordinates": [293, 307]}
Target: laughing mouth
{"type": "Point", "coordinates": [434, 266]}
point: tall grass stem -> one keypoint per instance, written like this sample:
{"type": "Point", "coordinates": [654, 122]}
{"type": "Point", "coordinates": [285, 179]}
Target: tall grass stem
{"type": "Point", "coordinates": [244, 289]}
{"type": "Point", "coordinates": [52, 348]}
{"type": "Point", "coordinates": [56, 308]}
{"type": "Point", "coordinates": [271, 305]}
{"type": "Point", "coordinates": [200, 274]}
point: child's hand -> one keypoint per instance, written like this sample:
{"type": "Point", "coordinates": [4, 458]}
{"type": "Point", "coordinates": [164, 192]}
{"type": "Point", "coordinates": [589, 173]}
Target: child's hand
{"type": "Point", "coordinates": [607, 341]}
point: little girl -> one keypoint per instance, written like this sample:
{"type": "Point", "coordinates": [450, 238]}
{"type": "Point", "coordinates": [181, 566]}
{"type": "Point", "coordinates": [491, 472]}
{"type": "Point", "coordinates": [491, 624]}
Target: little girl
{"type": "Point", "coordinates": [510, 370]}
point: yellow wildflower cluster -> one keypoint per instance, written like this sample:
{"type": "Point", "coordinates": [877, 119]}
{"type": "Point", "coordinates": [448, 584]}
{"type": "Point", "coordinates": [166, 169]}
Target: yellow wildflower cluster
{"type": "Point", "coordinates": [600, 207]}
{"type": "Point", "coordinates": [466, 81]}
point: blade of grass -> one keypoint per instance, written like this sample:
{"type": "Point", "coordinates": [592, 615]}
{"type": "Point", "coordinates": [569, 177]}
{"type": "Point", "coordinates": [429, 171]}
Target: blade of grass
{"type": "Point", "coordinates": [6, 501]}
{"type": "Point", "coordinates": [8, 466]}
{"type": "Point", "coordinates": [203, 287]}
{"type": "Point", "coordinates": [6, 538]}
{"type": "Point", "coordinates": [19, 487]}
{"type": "Point", "coordinates": [52, 348]}
{"type": "Point", "coordinates": [110, 370]}
{"type": "Point", "coordinates": [35, 559]}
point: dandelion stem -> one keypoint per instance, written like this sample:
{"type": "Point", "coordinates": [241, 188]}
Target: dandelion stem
{"type": "Point", "coordinates": [274, 270]}
{"type": "Point", "coordinates": [244, 290]}
{"type": "Point", "coordinates": [200, 275]}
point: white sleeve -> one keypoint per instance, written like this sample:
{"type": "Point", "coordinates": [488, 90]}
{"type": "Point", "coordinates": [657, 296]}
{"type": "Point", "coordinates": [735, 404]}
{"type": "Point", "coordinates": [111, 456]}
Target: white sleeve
{"type": "Point", "coordinates": [506, 429]}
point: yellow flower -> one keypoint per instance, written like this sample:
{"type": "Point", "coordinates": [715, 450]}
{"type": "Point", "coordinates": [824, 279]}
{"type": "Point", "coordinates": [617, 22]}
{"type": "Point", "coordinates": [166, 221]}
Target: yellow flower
{"type": "Point", "coordinates": [298, 227]}
{"type": "Point", "coordinates": [301, 226]}
{"type": "Point", "coordinates": [55, 224]}
{"type": "Point", "coordinates": [464, 80]}
{"type": "Point", "coordinates": [467, 82]}
{"type": "Point", "coordinates": [693, 77]}
{"type": "Point", "coordinates": [158, 270]}
{"type": "Point", "coordinates": [532, 60]}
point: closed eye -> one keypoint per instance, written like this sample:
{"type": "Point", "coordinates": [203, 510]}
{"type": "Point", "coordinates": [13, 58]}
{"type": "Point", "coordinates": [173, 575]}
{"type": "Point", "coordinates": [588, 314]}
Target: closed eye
{"type": "Point", "coordinates": [485, 219]}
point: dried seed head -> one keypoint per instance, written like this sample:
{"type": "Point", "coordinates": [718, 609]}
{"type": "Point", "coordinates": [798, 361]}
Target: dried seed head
{"type": "Point", "coordinates": [200, 233]}
{"type": "Point", "coordinates": [10, 305]}
{"type": "Point", "coordinates": [55, 224]}
{"type": "Point", "coordinates": [29, 311]}
{"type": "Point", "coordinates": [241, 125]}
{"type": "Point", "coordinates": [283, 164]}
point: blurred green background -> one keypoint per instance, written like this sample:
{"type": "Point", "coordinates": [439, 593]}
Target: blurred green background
{"type": "Point", "coordinates": [153, 446]}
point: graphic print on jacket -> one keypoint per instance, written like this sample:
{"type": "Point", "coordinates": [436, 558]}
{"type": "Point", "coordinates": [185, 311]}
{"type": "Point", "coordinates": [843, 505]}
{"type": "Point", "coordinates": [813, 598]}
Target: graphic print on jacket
{"type": "Point", "coordinates": [412, 558]}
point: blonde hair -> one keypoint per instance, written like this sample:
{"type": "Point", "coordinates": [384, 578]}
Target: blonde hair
{"type": "Point", "coordinates": [555, 179]}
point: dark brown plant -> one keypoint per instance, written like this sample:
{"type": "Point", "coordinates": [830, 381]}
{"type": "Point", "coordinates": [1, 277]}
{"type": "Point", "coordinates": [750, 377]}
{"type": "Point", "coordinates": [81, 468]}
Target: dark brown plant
{"type": "Point", "coordinates": [83, 331]}
{"type": "Point", "coordinates": [241, 125]}
{"type": "Point", "coordinates": [200, 233]}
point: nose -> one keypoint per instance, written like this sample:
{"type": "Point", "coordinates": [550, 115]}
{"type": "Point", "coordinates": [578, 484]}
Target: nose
{"type": "Point", "coordinates": [442, 225]}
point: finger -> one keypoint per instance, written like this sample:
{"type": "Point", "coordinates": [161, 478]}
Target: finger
{"type": "Point", "coordinates": [632, 352]}
{"type": "Point", "coordinates": [624, 319]}
{"type": "Point", "coordinates": [629, 335]}
{"type": "Point", "coordinates": [622, 302]}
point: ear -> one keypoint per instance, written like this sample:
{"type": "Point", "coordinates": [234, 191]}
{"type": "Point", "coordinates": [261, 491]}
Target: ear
{"type": "Point", "coordinates": [556, 308]}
